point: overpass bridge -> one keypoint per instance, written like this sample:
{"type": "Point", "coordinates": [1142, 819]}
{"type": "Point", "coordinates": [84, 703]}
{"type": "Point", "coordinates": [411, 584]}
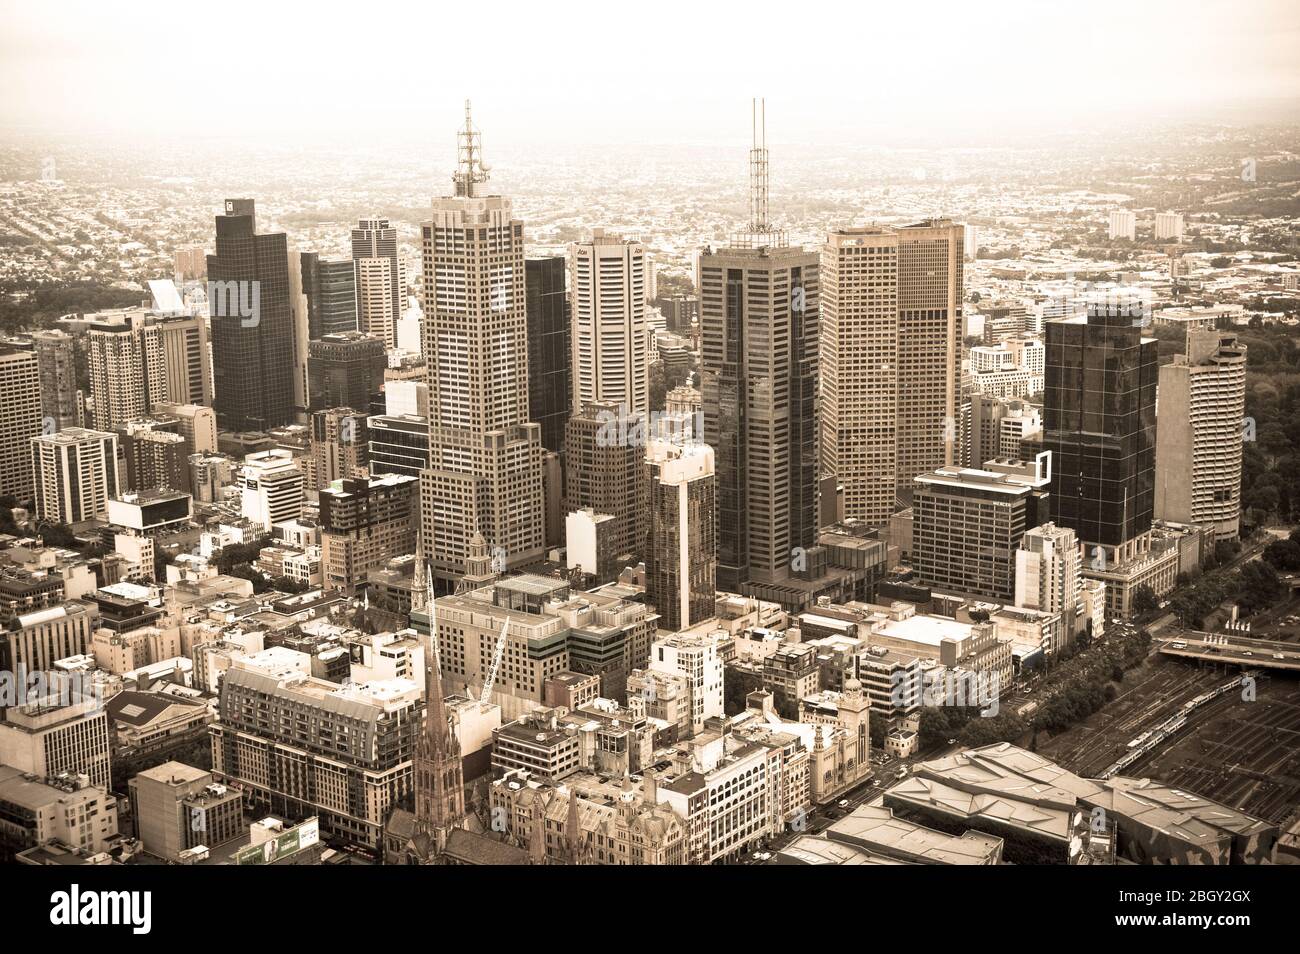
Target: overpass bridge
{"type": "Point", "coordinates": [1233, 649]}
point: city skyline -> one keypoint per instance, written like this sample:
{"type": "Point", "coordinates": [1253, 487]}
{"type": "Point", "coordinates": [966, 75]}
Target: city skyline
{"type": "Point", "coordinates": [610, 436]}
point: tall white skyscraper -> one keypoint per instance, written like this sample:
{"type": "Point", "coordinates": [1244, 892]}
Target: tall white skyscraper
{"type": "Point", "coordinates": [891, 332]}
{"type": "Point", "coordinates": [611, 340]}
{"type": "Point", "coordinates": [379, 285]}
{"type": "Point", "coordinates": [20, 418]}
{"type": "Point", "coordinates": [1049, 573]}
{"type": "Point", "coordinates": [271, 483]}
{"type": "Point", "coordinates": [76, 474]}
{"type": "Point", "coordinates": [1199, 406]}
{"type": "Point", "coordinates": [681, 562]}
{"type": "Point", "coordinates": [485, 456]}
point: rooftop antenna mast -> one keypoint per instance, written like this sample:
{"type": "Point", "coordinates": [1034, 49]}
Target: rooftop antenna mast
{"type": "Point", "coordinates": [758, 168]}
{"type": "Point", "coordinates": [760, 233]}
{"type": "Point", "coordinates": [470, 167]}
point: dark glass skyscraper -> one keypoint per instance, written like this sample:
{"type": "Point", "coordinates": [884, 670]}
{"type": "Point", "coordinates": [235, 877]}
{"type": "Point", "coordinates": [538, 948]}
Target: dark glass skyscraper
{"type": "Point", "coordinates": [345, 370]}
{"type": "Point", "coordinates": [331, 292]}
{"type": "Point", "coordinates": [252, 332]}
{"type": "Point", "coordinates": [1099, 422]}
{"type": "Point", "coordinates": [549, 359]}
{"type": "Point", "coordinates": [758, 312]}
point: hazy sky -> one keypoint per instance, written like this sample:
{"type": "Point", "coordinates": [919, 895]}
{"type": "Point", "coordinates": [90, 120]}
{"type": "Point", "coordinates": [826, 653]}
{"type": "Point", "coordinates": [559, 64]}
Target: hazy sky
{"type": "Point", "coordinates": [614, 70]}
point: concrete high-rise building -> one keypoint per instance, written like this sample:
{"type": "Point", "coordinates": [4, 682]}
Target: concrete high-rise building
{"type": "Point", "coordinates": [379, 286]}
{"type": "Point", "coordinates": [47, 739]}
{"type": "Point", "coordinates": [550, 358]}
{"type": "Point", "coordinates": [345, 370]}
{"type": "Point", "coordinates": [177, 807]}
{"type": "Point", "coordinates": [759, 339]}
{"type": "Point", "coordinates": [196, 423]}
{"type": "Point", "coordinates": [330, 287]}
{"type": "Point", "coordinates": [1200, 407]}
{"type": "Point", "coordinates": [1049, 574]}
{"type": "Point", "coordinates": [611, 340]}
{"type": "Point", "coordinates": [305, 746]}
{"type": "Point", "coordinates": [604, 458]}
{"type": "Point", "coordinates": [128, 373]}
{"type": "Point", "coordinates": [681, 551]}
{"type": "Point", "coordinates": [1123, 224]}
{"type": "Point", "coordinates": [1169, 225]}
{"type": "Point", "coordinates": [967, 524]}
{"type": "Point", "coordinates": [340, 444]}
{"type": "Point", "coordinates": [251, 318]}
{"type": "Point", "coordinates": [34, 641]}
{"type": "Point", "coordinates": [62, 401]}
{"type": "Point", "coordinates": [1002, 428]}
{"type": "Point", "coordinates": [485, 456]}
{"type": "Point", "coordinates": [398, 444]}
{"type": "Point", "coordinates": [76, 474]}
{"type": "Point", "coordinates": [365, 522]}
{"type": "Point", "coordinates": [1099, 423]}
{"type": "Point", "coordinates": [272, 488]}
{"type": "Point", "coordinates": [44, 816]}
{"type": "Point", "coordinates": [693, 655]}
{"type": "Point", "coordinates": [156, 454]}
{"type": "Point", "coordinates": [186, 356]}
{"type": "Point", "coordinates": [21, 419]}
{"type": "Point", "coordinates": [891, 332]}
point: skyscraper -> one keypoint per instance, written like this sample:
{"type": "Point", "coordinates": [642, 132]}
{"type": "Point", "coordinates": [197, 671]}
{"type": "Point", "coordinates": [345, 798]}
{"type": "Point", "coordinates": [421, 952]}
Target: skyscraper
{"type": "Point", "coordinates": [891, 331]}
{"type": "Point", "coordinates": [1049, 574]}
{"type": "Point", "coordinates": [1201, 400]}
{"type": "Point", "coordinates": [345, 369]}
{"type": "Point", "coordinates": [611, 343]}
{"type": "Point", "coordinates": [968, 523]}
{"type": "Point", "coordinates": [20, 419]}
{"type": "Point", "coordinates": [187, 359]}
{"type": "Point", "coordinates": [1123, 224]}
{"type": "Point", "coordinates": [681, 557]}
{"type": "Point", "coordinates": [252, 323]}
{"type": "Point", "coordinates": [758, 327]}
{"type": "Point", "coordinates": [605, 457]}
{"type": "Point", "coordinates": [61, 399]}
{"type": "Point", "coordinates": [339, 446]}
{"type": "Point", "coordinates": [365, 522]}
{"type": "Point", "coordinates": [271, 488]}
{"type": "Point", "coordinates": [330, 287]}
{"type": "Point", "coordinates": [1099, 422]}
{"type": "Point", "coordinates": [378, 277]}
{"type": "Point", "coordinates": [128, 372]}
{"type": "Point", "coordinates": [550, 361]}
{"type": "Point", "coordinates": [485, 457]}
{"type": "Point", "coordinates": [76, 474]}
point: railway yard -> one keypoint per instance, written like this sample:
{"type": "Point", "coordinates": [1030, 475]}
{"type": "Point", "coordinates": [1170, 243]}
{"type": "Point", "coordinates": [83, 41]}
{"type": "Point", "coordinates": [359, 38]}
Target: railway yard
{"type": "Point", "coordinates": [1241, 747]}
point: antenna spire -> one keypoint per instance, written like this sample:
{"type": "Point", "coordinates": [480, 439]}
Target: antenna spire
{"type": "Point", "coordinates": [758, 168]}
{"type": "Point", "coordinates": [470, 169]}
{"type": "Point", "coordinates": [759, 233]}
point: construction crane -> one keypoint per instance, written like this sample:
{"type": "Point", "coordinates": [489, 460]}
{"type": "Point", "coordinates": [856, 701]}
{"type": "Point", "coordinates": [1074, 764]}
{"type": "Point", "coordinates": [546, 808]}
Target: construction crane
{"type": "Point", "coordinates": [486, 694]}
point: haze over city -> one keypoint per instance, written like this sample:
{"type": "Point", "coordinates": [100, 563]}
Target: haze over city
{"type": "Point", "coordinates": [594, 435]}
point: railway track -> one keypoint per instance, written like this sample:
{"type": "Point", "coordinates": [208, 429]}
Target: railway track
{"type": "Point", "coordinates": [1254, 765]}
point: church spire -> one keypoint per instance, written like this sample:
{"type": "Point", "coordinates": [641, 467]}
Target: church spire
{"type": "Point", "coordinates": [439, 776]}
